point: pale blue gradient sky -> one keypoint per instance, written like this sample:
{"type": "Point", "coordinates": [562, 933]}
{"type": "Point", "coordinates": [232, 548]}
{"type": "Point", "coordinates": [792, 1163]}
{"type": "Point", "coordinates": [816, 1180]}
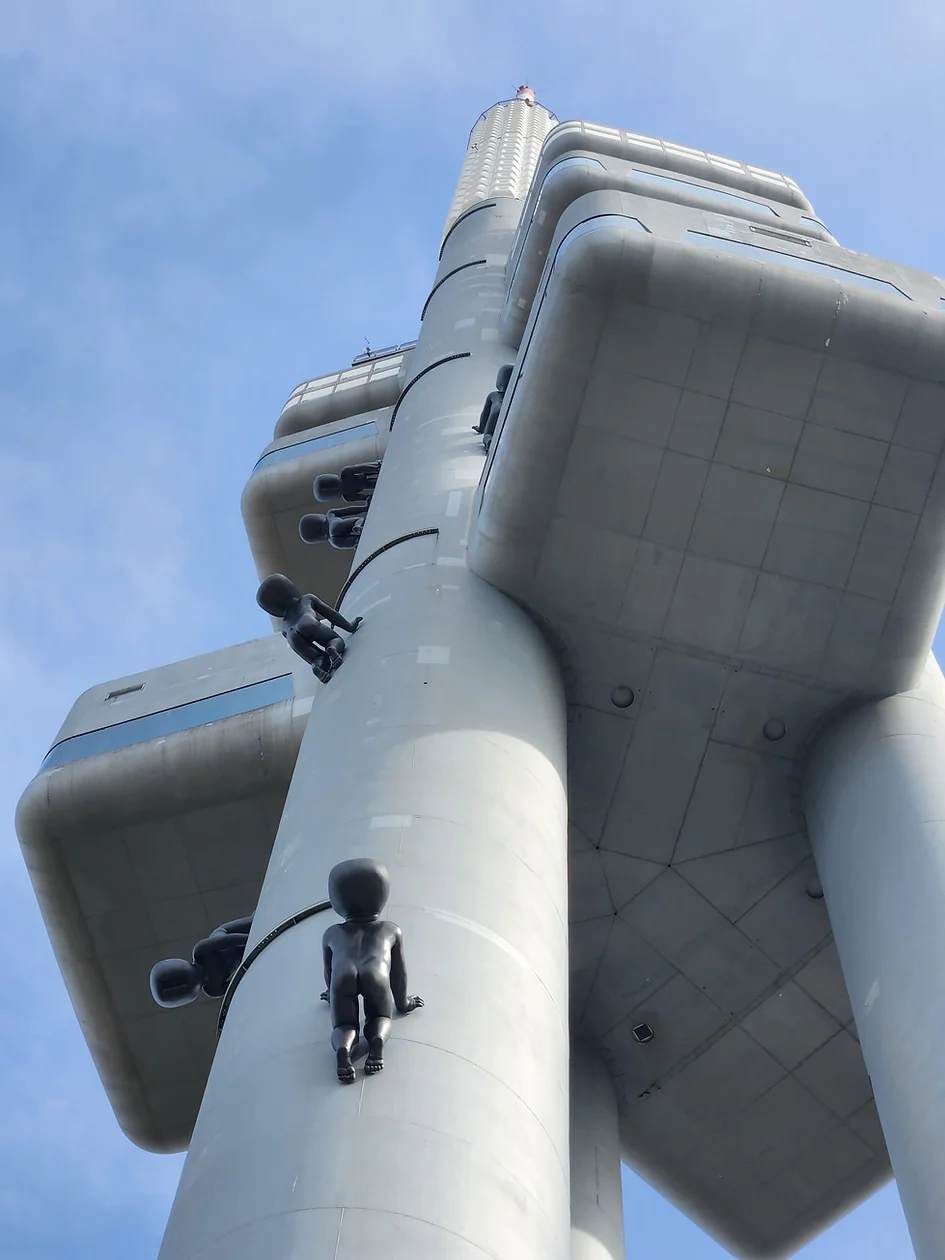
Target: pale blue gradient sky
{"type": "Point", "coordinates": [204, 202]}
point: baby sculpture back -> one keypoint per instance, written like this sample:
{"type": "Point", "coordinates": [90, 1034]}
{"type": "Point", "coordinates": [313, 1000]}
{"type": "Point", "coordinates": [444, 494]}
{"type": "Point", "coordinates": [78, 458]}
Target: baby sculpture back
{"type": "Point", "coordinates": [364, 962]}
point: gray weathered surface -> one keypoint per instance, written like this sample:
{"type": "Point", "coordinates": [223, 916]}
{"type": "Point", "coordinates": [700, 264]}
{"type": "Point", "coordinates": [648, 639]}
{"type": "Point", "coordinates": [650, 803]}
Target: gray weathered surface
{"type": "Point", "coordinates": [717, 481]}
{"type": "Point", "coordinates": [596, 1190]}
{"type": "Point", "coordinates": [136, 854]}
{"type": "Point", "coordinates": [875, 797]}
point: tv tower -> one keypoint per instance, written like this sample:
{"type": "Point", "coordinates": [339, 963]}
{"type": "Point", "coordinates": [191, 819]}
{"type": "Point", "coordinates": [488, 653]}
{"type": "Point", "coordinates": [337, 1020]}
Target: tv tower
{"type": "Point", "coordinates": [603, 709]}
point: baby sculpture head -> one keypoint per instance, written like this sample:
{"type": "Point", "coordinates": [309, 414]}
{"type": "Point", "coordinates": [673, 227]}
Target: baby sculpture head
{"type": "Point", "coordinates": [313, 528]}
{"type": "Point", "coordinates": [327, 487]}
{"type": "Point", "coordinates": [175, 982]}
{"type": "Point", "coordinates": [358, 888]}
{"type": "Point", "coordinates": [277, 594]}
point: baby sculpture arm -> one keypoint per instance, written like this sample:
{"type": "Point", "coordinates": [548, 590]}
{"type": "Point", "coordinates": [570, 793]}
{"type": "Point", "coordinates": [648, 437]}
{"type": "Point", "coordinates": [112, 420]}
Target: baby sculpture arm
{"type": "Point", "coordinates": [333, 616]}
{"type": "Point", "coordinates": [326, 962]}
{"type": "Point", "coordinates": [398, 977]}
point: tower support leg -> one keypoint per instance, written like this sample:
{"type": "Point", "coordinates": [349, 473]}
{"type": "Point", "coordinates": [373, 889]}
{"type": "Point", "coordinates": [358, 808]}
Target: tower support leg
{"type": "Point", "coordinates": [875, 803]}
{"type": "Point", "coordinates": [596, 1191]}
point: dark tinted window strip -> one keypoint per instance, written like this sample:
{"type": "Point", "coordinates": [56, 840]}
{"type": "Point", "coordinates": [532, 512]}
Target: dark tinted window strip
{"type": "Point", "coordinates": [182, 717]}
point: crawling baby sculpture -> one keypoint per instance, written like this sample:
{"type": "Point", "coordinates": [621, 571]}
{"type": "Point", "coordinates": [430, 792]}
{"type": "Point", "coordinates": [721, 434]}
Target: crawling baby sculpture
{"type": "Point", "coordinates": [176, 982]}
{"type": "Point", "coordinates": [364, 958]}
{"type": "Point", "coordinates": [355, 483]}
{"type": "Point", "coordinates": [340, 528]}
{"type": "Point", "coordinates": [493, 404]}
{"type": "Point", "coordinates": [308, 624]}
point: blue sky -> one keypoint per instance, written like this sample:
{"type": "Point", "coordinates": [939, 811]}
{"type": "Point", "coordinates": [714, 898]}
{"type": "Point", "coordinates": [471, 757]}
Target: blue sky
{"type": "Point", "coordinates": [206, 201]}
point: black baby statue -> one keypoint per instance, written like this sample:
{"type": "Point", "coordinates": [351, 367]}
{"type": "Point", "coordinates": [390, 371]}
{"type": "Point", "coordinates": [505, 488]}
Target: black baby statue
{"type": "Point", "coordinates": [175, 982]}
{"type": "Point", "coordinates": [493, 404]}
{"type": "Point", "coordinates": [364, 958]}
{"type": "Point", "coordinates": [355, 483]}
{"type": "Point", "coordinates": [308, 623]}
{"type": "Point", "coordinates": [341, 527]}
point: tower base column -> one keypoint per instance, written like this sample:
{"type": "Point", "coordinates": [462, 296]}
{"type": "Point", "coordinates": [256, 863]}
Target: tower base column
{"type": "Point", "coordinates": [875, 803]}
{"type": "Point", "coordinates": [596, 1191]}
{"type": "Point", "coordinates": [439, 751]}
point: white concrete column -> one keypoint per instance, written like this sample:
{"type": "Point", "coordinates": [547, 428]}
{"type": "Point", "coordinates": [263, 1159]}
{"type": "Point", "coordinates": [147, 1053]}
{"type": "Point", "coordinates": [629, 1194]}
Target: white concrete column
{"type": "Point", "coordinates": [502, 154]}
{"type": "Point", "coordinates": [875, 802]}
{"type": "Point", "coordinates": [596, 1189]}
{"type": "Point", "coordinates": [439, 748]}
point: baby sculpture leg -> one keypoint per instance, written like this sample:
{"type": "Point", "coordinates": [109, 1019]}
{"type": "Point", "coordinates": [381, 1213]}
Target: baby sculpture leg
{"type": "Point", "coordinates": [343, 996]}
{"type": "Point", "coordinates": [378, 1013]}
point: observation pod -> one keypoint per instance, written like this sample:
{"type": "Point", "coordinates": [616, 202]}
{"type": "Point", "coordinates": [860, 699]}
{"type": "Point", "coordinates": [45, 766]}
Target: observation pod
{"type": "Point", "coordinates": [635, 705]}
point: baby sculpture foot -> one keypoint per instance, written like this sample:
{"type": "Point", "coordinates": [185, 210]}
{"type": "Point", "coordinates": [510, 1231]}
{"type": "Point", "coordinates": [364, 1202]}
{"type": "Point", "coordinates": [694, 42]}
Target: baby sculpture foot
{"type": "Point", "coordinates": [375, 1060]}
{"type": "Point", "coordinates": [345, 1066]}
